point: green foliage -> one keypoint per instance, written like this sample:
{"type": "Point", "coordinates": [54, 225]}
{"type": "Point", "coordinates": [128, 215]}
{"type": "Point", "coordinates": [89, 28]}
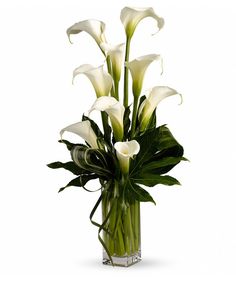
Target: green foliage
{"type": "Point", "coordinates": [70, 166]}
{"type": "Point", "coordinates": [150, 180]}
{"type": "Point", "coordinates": [159, 153]}
{"type": "Point", "coordinates": [80, 181]}
{"type": "Point", "coordinates": [159, 150]}
{"type": "Point", "coordinates": [127, 122]}
{"type": "Point", "coordinates": [134, 192]}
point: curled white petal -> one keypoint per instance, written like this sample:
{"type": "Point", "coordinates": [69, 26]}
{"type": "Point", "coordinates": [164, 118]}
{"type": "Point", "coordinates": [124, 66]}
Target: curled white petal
{"type": "Point", "coordinates": [156, 95]}
{"type": "Point", "coordinates": [116, 54]}
{"type": "Point", "coordinates": [115, 111]}
{"type": "Point", "coordinates": [84, 130]}
{"type": "Point", "coordinates": [100, 79]}
{"type": "Point", "coordinates": [130, 17]}
{"type": "Point", "coordinates": [93, 27]}
{"type": "Point", "coordinates": [138, 68]}
{"type": "Point", "coordinates": [125, 151]}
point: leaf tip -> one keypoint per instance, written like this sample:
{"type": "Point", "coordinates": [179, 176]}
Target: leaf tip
{"type": "Point", "coordinates": [50, 165]}
{"type": "Point", "coordinates": [61, 189]}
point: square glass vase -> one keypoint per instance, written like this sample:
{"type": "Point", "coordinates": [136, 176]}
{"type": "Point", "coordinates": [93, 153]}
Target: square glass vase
{"type": "Point", "coordinates": [121, 233]}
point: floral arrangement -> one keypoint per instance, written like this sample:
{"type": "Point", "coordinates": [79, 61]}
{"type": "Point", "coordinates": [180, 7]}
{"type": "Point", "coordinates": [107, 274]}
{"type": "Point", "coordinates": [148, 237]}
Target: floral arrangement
{"type": "Point", "coordinates": [130, 150]}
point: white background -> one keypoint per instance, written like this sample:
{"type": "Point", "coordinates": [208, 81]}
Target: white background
{"type": "Point", "coordinates": [190, 236]}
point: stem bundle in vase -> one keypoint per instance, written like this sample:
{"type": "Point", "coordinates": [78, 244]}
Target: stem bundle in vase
{"type": "Point", "coordinates": [131, 151]}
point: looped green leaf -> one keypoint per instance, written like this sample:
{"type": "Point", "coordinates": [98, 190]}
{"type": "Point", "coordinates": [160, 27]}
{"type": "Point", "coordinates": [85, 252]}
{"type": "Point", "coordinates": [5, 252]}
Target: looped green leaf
{"type": "Point", "coordinates": [102, 226]}
{"type": "Point", "coordinates": [80, 181]}
{"type": "Point", "coordinates": [93, 160]}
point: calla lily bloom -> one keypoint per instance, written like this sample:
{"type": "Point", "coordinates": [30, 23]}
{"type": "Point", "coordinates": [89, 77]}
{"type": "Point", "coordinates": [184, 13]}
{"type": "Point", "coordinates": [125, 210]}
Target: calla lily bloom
{"type": "Point", "coordinates": [101, 80]}
{"type": "Point", "coordinates": [130, 17]}
{"type": "Point", "coordinates": [138, 68]}
{"type": "Point", "coordinates": [125, 151]}
{"type": "Point", "coordinates": [115, 111]}
{"type": "Point", "coordinates": [93, 27]}
{"type": "Point", "coordinates": [115, 52]}
{"type": "Point", "coordinates": [84, 130]}
{"type": "Point", "coordinates": [156, 95]}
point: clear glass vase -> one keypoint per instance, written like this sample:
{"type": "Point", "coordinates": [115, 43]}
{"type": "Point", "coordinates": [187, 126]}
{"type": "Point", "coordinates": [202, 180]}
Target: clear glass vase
{"type": "Point", "coordinates": [121, 234]}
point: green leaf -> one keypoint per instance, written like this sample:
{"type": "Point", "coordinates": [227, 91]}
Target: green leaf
{"type": "Point", "coordinates": [70, 166]}
{"type": "Point", "coordinates": [148, 147]}
{"type": "Point", "coordinates": [151, 180]}
{"type": "Point", "coordinates": [70, 145]}
{"type": "Point", "coordinates": [80, 181]}
{"type": "Point", "coordinates": [160, 166]}
{"type": "Point", "coordinates": [97, 131]}
{"type": "Point", "coordinates": [93, 160]}
{"type": "Point", "coordinates": [135, 192]}
{"type": "Point", "coordinates": [93, 125]}
{"type": "Point", "coordinates": [126, 122]}
{"type": "Point", "coordinates": [156, 144]}
{"type": "Point", "coordinates": [152, 121]}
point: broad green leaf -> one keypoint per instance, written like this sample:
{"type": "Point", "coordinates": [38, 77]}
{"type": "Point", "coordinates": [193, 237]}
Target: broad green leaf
{"type": "Point", "coordinates": [151, 180]}
{"type": "Point", "coordinates": [148, 147]}
{"type": "Point", "coordinates": [80, 181]}
{"type": "Point", "coordinates": [70, 166]}
{"type": "Point", "coordinates": [155, 144]}
{"type": "Point", "coordinates": [160, 166]}
{"type": "Point", "coordinates": [135, 192]}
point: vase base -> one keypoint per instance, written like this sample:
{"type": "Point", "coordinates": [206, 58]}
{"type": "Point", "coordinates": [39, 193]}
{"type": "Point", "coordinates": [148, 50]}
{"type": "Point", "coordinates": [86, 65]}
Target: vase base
{"type": "Point", "coordinates": [124, 261]}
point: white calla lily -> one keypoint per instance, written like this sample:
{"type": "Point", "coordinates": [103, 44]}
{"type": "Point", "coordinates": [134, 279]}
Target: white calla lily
{"type": "Point", "coordinates": [101, 80]}
{"type": "Point", "coordinates": [138, 68]}
{"type": "Point", "coordinates": [125, 151]}
{"type": "Point", "coordinates": [130, 17]}
{"type": "Point", "coordinates": [115, 53]}
{"type": "Point", "coordinates": [93, 27]}
{"type": "Point", "coordinates": [84, 130]}
{"type": "Point", "coordinates": [156, 95]}
{"type": "Point", "coordinates": [115, 111]}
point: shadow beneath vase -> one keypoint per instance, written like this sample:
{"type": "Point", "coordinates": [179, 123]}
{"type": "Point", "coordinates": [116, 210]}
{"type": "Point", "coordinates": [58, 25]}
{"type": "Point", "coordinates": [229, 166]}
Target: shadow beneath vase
{"type": "Point", "coordinates": [143, 264]}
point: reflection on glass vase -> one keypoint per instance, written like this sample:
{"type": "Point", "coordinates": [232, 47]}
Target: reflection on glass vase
{"type": "Point", "coordinates": [121, 234]}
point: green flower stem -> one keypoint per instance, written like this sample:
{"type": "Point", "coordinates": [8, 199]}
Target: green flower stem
{"type": "Point", "coordinates": [121, 242]}
{"type": "Point", "coordinates": [109, 68]}
{"type": "Point", "coordinates": [123, 238]}
{"type": "Point", "coordinates": [136, 217]}
{"type": "Point", "coordinates": [126, 235]}
{"type": "Point", "coordinates": [126, 73]}
{"type": "Point", "coordinates": [116, 84]}
{"type": "Point", "coordinates": [134, 116]}
{"type": "Point", "coordinates": [131, 233]}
